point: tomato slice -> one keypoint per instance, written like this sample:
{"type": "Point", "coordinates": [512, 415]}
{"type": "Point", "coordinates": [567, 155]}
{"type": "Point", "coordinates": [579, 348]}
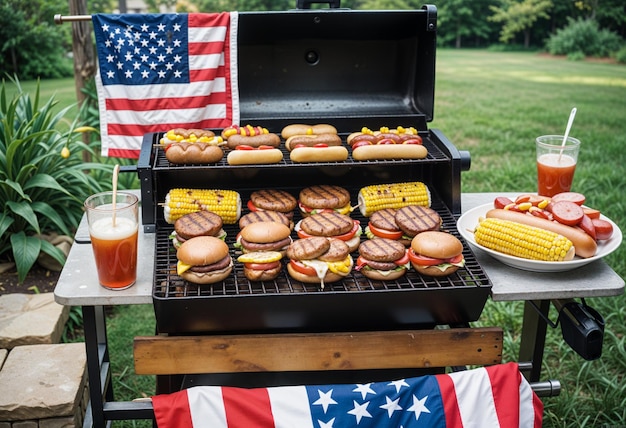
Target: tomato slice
{"type": "Point", "coordinates": [567, 212]}
{"type": "Point", "coordinates": [604, 229]}
{"type": "Point", "coordinates": [345, 237]}
{"type": "Point", "coordinates": [252, 207]}
{"type": "Point", "coordinates": [575, 197]}
{"type": "Point", "coordinates": [360, 263]}
{"type": "Point", "coordinates": [303, 269]}
{"type": "Point", "coordinates": [383, 233]}
{"type": "Point", "coordinates": [423, 260]}
{"type": "Point", "coordinates": [404, 260]}
{"type": "Point", "coordinates": [262, 266]}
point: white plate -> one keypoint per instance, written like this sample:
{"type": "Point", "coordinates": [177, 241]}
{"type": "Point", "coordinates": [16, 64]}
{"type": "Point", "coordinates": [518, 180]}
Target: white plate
{"type": "Point", "coordinates": [468, 221]}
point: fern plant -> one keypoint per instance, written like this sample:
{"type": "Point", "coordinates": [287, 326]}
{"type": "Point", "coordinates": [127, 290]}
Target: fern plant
{"type": "Point", "coordinates": [43, 180]}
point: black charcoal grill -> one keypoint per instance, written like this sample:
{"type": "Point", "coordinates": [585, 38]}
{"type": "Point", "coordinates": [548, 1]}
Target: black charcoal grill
{"type": "Point", "coordinates": [350, 69]}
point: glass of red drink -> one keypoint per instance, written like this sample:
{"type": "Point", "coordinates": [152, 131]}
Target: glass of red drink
{"type": "Point", "coordinates": [556, 164]}
{"type": "Point", "coordinates": [113, 235]}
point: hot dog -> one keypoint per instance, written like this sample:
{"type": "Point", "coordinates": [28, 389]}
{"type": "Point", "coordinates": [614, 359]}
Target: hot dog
{"type": "Point", "coordinates": [389, 151]}
{"type": "Point", "coordinates": [247, 130]}
{"type": "Point", "coordinates": [319, 154]}
{"type": "Point", "coordinates": [312, 140]}
{"type": "Point", "coordinates": [584, 244]}
{"type": "Point", "coordinates": [265, 139]}
{"type": "Point", "coordinates": [254, 156]}
{"type": "Point", "coordinates": [301, 129]}
{"type": "Point", "coordinates": [178, 135]}
{"type": "Point", "coordinates": [193, 153]}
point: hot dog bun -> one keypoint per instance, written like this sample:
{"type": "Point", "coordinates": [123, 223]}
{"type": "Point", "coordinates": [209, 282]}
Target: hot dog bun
{"type": "Point", "coordinates": [268, 139]}
{"type": "Point", "coordinates": [319, 154]}
{"type": "Point", "coordinates": [193, 153]}
{"type": "Point", "coordinates": [584, 244]}
{"type": "Point", "coordinates": [302, 129]}
{"type": "Point", "coordinates": [254, 156]}
{"type": "Point", "coordinates": [312, 140]}
{"type": "Point", "coordinates": [390, 151]}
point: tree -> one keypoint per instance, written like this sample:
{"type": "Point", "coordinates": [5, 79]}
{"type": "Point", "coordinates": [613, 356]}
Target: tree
{"type": "Point", "coordinates": [462, 19]}
{"type": "Point", "coordinates": [519, 16]}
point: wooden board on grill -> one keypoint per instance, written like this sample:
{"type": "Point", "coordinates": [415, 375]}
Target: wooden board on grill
{"type": "Point", "coordinates": [168, 355]}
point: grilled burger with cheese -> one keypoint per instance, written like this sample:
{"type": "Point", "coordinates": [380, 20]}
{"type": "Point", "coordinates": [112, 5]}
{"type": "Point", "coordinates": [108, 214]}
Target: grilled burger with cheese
{"type": "Point", "coordinates": [319, 260]}
{"type": "Point", "coordinates": [324, 198]}
{"type": "Point", "coordinates": [331, 225]}
{"type": "Point", "coordinates": [264, 236]}
{"type": "Point", "coordinates": [435, 253]}
{"type": "Point", "coordinates": [204, 260]}
{"type": "Point", "coordinates": [382, 259]}
{"type": "Point", "coordinates": [261, 265]}
{"type": "Point", "coordinates": [201, 223]}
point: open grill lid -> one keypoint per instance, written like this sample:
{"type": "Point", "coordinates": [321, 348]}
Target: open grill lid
{"type": "Point", "coordinates": [337, 63]}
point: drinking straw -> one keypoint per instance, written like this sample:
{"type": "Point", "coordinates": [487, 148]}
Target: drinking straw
{"type": "Point", "coordinates": [567, 129]}
{"type": "Point", "coordinates": [116, 171]}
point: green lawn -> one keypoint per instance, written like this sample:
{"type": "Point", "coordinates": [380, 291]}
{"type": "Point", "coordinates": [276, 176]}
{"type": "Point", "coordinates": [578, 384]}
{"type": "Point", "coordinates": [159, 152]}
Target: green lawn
{"type": "Point", "coordinates": [494, 105]}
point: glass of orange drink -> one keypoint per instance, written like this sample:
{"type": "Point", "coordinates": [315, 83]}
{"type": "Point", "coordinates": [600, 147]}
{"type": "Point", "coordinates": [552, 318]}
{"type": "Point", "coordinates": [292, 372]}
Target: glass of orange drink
{"type": "Point", "coordinates": [556, 163]}
{"type": "Point", "coordinates": [113, 229]}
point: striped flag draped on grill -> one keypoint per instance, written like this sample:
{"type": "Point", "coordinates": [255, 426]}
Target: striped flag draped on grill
{"type": "Point", "coordinates": [163, 71]}
{"type": "Point", "coordinates": [492, 397]}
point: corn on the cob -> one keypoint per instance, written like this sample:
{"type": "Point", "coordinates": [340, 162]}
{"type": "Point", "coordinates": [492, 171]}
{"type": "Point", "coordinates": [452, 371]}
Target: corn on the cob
{"type": "Point", "coordinates": [520, 240]}
{"type": "Point", "coordinates": [396, 195]}
{"type": "Point", "coordinates": [225, 203]}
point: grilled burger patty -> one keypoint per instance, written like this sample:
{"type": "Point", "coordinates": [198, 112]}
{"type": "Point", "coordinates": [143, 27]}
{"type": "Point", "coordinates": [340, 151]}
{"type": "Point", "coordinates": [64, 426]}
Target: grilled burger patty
{"type": "Point", "coordinates": [201, 223]}
{"type": "Point", "coordinates": [324, 196]}
{"type": "Point", "coordinates": [327, 224]}
{"type": "Point", "coordinates": [381, 250]}
{"type": "Point", "coordinates": [259, 216]}
{"type": "Point", "coordinates": [274, 200]}
{"type": "Point", "coordinates": [385, 219]}
{"type": "Point", "coordinates": [308, 249]}
{"type": "Point", "coordinates": [337, 251]}
{"type": "Point", "coordinates": [265, 246]}
{"type": "Point", "coordinates": [414, 219]}
{"type": "Point", "coordinates": [220, 264]}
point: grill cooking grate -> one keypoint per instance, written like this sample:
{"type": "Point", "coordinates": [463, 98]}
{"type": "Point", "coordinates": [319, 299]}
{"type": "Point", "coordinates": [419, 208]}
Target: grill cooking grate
{"type": "Point", "coordinates": [168, 285]}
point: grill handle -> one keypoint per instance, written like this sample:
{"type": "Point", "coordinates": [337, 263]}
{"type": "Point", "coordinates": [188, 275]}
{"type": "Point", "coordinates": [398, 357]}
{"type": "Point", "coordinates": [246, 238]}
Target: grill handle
{"type": "Point", "coordinates": [466, 160]}
{"type": "Point", "coordinates": [306, 4]}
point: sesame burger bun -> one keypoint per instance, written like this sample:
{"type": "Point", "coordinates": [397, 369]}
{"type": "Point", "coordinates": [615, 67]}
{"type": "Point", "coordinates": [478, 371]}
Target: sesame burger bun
{"type": "Point", "coordinates": [208, 260]}
{"type": "Point", "coordinates": [437, 245]}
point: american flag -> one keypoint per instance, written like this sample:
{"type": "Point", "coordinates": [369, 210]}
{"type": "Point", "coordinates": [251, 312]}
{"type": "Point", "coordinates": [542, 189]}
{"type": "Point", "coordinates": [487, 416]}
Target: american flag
{"type": "Point", "coordinates": [163, 71]}
{"type": "Point", "coordinates": [490, 397]}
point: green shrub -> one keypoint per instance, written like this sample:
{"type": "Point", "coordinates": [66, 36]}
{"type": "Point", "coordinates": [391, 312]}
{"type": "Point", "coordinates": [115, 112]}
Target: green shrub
{"type": "Point", "coordinates": [620, 55]}
{"type": "Point", "coordinates": [43, 179]}
{"type": "Point", "coordinates": [584, 35]}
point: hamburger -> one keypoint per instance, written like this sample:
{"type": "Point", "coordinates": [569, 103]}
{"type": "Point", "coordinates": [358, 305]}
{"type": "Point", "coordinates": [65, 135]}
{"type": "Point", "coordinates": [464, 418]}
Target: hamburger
{"type": "Point", "coordinates": [436, 253]}
{"type": "Point", "coordinates": [273, 200]}
{"type": "Point", "coordinates": [261, 265]}
{"type": "Point", "coordinates": [382, 259]}
{"type": "Point", "coordinates": [200, 223]}
{"type": "Point", "coordinates": [415, 219]}
{"type": "Point", "coordinates": [319, 260]}
{"type": "Point", "coordinates": [204, 260]}
{"type": "Point", "coordinates": [331, 225]}
{"type": "Point", "coordinates": [264, 236]}
{"type": "Point", "coordinates": [324, 198]}
{"type": "Point", "coordinates": [258, 216]}
{"type": "Point", "coordinates": [382, 224]}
